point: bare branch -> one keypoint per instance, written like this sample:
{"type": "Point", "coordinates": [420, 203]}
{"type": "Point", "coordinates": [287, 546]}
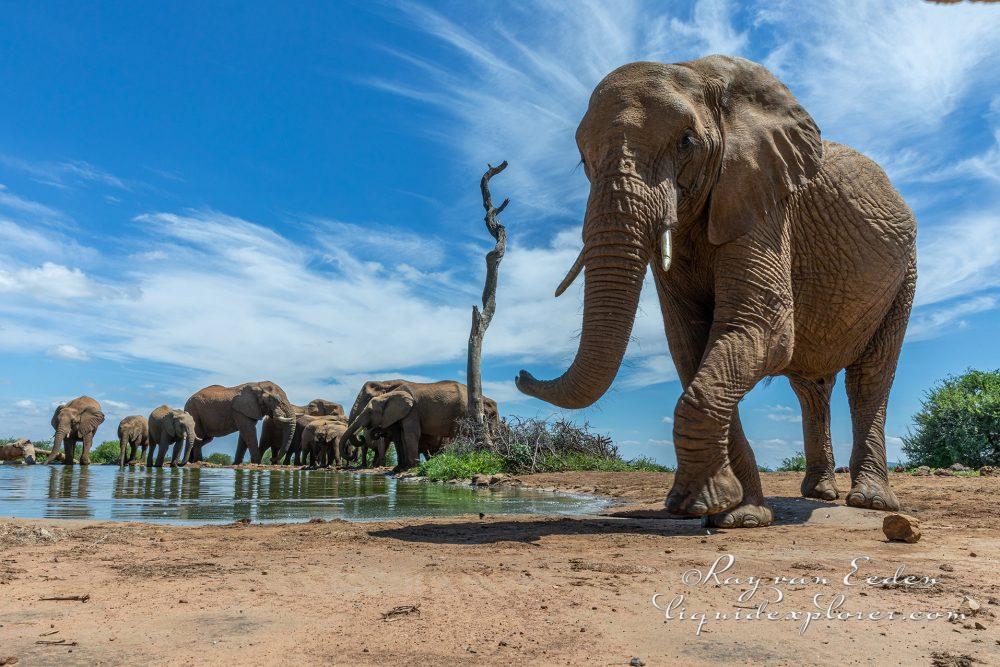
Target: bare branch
{"type": "Point", "coordinates": [481, 319]}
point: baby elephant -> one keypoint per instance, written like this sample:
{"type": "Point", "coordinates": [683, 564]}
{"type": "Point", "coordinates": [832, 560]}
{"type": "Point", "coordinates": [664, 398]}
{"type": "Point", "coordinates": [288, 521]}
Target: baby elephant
{"type": "Point", "coordinates": [133, 435]}
{"type": "Point", "coordinates": [168, 426]}
{"type": "Point", "coordinates": [321, 441]}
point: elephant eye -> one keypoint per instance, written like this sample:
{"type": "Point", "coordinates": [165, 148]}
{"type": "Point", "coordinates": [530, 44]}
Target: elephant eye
{"type": "Point", "coordinates": [687, 141]}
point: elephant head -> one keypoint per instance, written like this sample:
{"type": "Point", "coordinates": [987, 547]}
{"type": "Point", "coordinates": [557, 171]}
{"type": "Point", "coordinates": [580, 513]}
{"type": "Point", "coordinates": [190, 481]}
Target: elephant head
{"type": "Point", "coordinates": [79, 418]}
{"type": "Point", "coordinates": [379, 414]}
{"type": "Point", "coordinates": [319, 407]}
{"type": "Point", "coordinates": [257, 400]}
{"type": "Point", "coordinates": [702, 149]}
{"type": "Point", "coordinates": [178, 425]}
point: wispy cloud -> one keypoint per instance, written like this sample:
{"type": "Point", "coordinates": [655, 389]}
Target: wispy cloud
{"type": "Point", "coordinates": [66, 173]}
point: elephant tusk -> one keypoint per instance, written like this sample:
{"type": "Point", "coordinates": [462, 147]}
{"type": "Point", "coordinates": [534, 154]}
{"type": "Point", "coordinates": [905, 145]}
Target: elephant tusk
{"type": "Point", "coordinates": [665, 250]}
{"type": "Point", "coordinates": [571, 276]}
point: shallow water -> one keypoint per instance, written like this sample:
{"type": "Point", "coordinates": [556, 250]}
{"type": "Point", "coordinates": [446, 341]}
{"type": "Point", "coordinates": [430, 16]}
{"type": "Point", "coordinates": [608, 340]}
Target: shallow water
{"type": "Point", "coordinates": [222, 495]}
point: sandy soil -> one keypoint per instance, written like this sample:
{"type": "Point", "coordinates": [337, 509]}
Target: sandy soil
{"type": "Point", "coordinates": [510, 590]}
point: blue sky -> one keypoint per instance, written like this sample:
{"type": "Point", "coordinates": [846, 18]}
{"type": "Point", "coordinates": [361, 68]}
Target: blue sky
{"type": "Point", "coordinates": [193, 193]}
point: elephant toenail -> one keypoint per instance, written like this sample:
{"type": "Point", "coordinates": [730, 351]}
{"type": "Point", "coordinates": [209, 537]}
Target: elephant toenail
{"type": "Point", "coordinates": [878, 503]}
{"type": "Point", "coordinates": [750, 522]}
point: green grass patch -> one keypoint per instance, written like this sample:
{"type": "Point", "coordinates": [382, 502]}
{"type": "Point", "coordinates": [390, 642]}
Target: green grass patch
{"type": "Point", "coordinates": [451, 465]}
{"type": "Point", "coordinates": [448, 465]}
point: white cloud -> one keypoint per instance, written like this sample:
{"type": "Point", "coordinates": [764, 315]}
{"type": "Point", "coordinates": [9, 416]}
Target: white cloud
{"type": "Point", "coordinates": [65, 173]}
{"type": "Point", "coordinates": [783, 413]}
{"type": "Point", "coordinates": [519, 86]}
{"type": "Point", "coordinates": [884, 76]}
{"type": "Point", "coordinates": [667, 420]}
{"type": "Point", "coordinates": [70, 352]}
{"type": "Point", "coordinates": [26, 404]}
{"type": "Point", "coordinates": [927, 324]}
{"type": "Point", "coordinates": [959, 258]}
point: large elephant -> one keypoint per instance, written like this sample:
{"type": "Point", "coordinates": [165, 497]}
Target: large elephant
{"type": "Point", "coordinates": [322, 441]}
{"type": "Point", "coordinates": [427, 414]}
{"type": "Point", "coordinates": [773, 253]}
{"type": "Point", "coordinates": [271, 430]}
{"type": "Point", "coordinates": [133, 435]}
{"type": "Point", "coordinates": [219, 411]}
{"type": "Point", "coordinates": [168, 426]}
{"type": "Point", "coordinates": [75, 421]}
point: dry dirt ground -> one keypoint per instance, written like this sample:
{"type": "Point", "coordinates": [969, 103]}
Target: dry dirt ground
{"type": "Point", "coordinates": [510, 590]}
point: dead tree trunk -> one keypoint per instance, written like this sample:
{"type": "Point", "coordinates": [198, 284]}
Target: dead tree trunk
{"type": "Point", "coordinates": [481, 320]}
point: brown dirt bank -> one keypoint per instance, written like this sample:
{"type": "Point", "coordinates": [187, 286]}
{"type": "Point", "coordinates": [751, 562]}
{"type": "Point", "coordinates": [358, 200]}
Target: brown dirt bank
{"type": "Point", "coordinates": [515, 590]}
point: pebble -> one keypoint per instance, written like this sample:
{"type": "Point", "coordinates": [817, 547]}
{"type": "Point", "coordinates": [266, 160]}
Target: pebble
{"type": "Point", "coordinates": [901, 528]}
{"type": "Point", "coordinates": [922, 471]}
{"type": "Point", "coordinates": [970, 606]}
{"type": "Point", "coordinates": [989, 471]}
{"type": "Point", "coordinates": [944, 472]}
{"type": "Point", "coordinates": [958, 467]}
{"type": "Point", "coordinates": [636, 662]}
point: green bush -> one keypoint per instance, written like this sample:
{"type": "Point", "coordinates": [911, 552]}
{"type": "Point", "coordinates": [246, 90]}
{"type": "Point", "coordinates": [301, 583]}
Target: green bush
{"type": "Point", "coordinates": [958, 422]}
{"type": "Point", "coordinates": [219, 458]}
{"type": "Point", "coordinates": [796, 463]}
{"type": "Point", "coordinates": [106, 452]}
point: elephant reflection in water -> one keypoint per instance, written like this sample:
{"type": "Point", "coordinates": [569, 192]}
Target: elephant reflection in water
{"type": "Point", "coordinates": [72, 487]}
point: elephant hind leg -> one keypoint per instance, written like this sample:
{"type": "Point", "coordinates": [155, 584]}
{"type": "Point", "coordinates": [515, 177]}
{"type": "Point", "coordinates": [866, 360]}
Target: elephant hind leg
{"type": "Point", "coordinates": [869, 380]}
{"type": "Point", "coordinates": [814, 397]}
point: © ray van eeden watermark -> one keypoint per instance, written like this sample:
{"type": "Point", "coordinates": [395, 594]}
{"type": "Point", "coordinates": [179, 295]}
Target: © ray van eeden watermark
{"type": "Point", "coordinates": [764, 592]}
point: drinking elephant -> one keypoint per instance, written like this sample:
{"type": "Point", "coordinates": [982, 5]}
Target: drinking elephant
{"type": "Point", "coordinates": [133, 435]}
{"type": "Point", "coordinates": [773, 253]}
{"type": "Point", "coordinates": [376, 438]}
{"type": "Point", "coordinates": [219, 411]}
{"type": "Point", "coordinates": [75, 421]}
{"type": "Point", "coordinates": [322, 441]}
{"type": "Point", "coordinates": [270, 430]}
{"type": "Point", "coordinates": [168, 426]}
{"type": "Point", "coordinates": [427, 413]}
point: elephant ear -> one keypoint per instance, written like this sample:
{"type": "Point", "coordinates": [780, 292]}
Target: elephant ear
{"type": "Point", "coordinates": [90, 420]}
{"type": "Point", "coordinates": [394, 406]}
{"type": "Point", "coordinates": [247, 403]}
{"type": "Point", "coordinates": [770, 144]}
{"type": "Point", "coordinates": [55, 416]}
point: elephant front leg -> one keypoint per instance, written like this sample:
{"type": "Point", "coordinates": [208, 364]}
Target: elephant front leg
{"type": "Point", "coordinates": [408, 450]}
{"type": "Point", "coordinates": [814, 397]}
{"type": "Point", "coordinates": [753, 510]}
{"type": "Point", "coordinates": [161, 451]}
{"type": "Point", "coordinates": [705, 482]}
{"type": "Point", "coordinates": [88, 441]}
{"type": "Point", "coordinates": [248, 436]}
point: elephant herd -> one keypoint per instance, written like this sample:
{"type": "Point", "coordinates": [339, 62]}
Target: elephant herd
{"type": "Point", "coordinates": [773, 252]}
{"type": "Point", "coordinates": [418, 417]}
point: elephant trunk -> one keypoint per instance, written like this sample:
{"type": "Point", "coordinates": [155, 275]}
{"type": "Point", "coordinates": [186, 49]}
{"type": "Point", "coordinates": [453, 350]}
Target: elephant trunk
{"type": "Point", "coordinates": [286, 415]}
{"type": "Point", "coordinates": [62, 430]}
{"type": "Point", "coordinates": [614, 260]}
{"type": "Point", "coordinates": [362, 421]}
{"type": "Point", "coordinates": [191, 439]}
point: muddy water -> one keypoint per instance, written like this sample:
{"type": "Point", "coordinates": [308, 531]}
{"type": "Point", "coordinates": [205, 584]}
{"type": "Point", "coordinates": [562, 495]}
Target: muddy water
{"type": "Point", "coordinates": [221, 495]}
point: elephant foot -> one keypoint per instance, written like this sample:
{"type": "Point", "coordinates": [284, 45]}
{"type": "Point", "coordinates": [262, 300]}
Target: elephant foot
{"type": "Point", "coordinates": [85, 460]}
{"type": "Point", "coordinates": [698, 497]}
{"type": "Point", "coordinates": [755, 514]}
{"type": "Point", "coordinates": [821, 485]}
{"type": "Point", "coordinates": [872, 493]}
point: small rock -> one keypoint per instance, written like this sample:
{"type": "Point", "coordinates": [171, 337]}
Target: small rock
{"type": "Point", "coordinates": [901, 528]}
{"type": "Point", "coordinates": [944, 472]}
{"type": "Point", "coordinates": [499, 477]}
{"type": "Point", "coordinates": [970, 606]}
{"type": "Point", "coordinates": [945, 567]}
{"type": "Point", "coordinates": [989, 471]}
{"type": "Point", "coordinates": [899, 469]}
{"type": "Point", "coordinates": [980, 626]}
{"type": "Point", "coordinates": [922, 471]}
{"type": "Point", "coordinates": [480, 480]}
{"type": "Point", "coordinates": [317, 519]}
{"type": "Point", "coordinates": [958, 467]}
{"type": "Point", "coordinates": [636, 662]}
{"type": "Point", "coordinates": [842, 469]}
